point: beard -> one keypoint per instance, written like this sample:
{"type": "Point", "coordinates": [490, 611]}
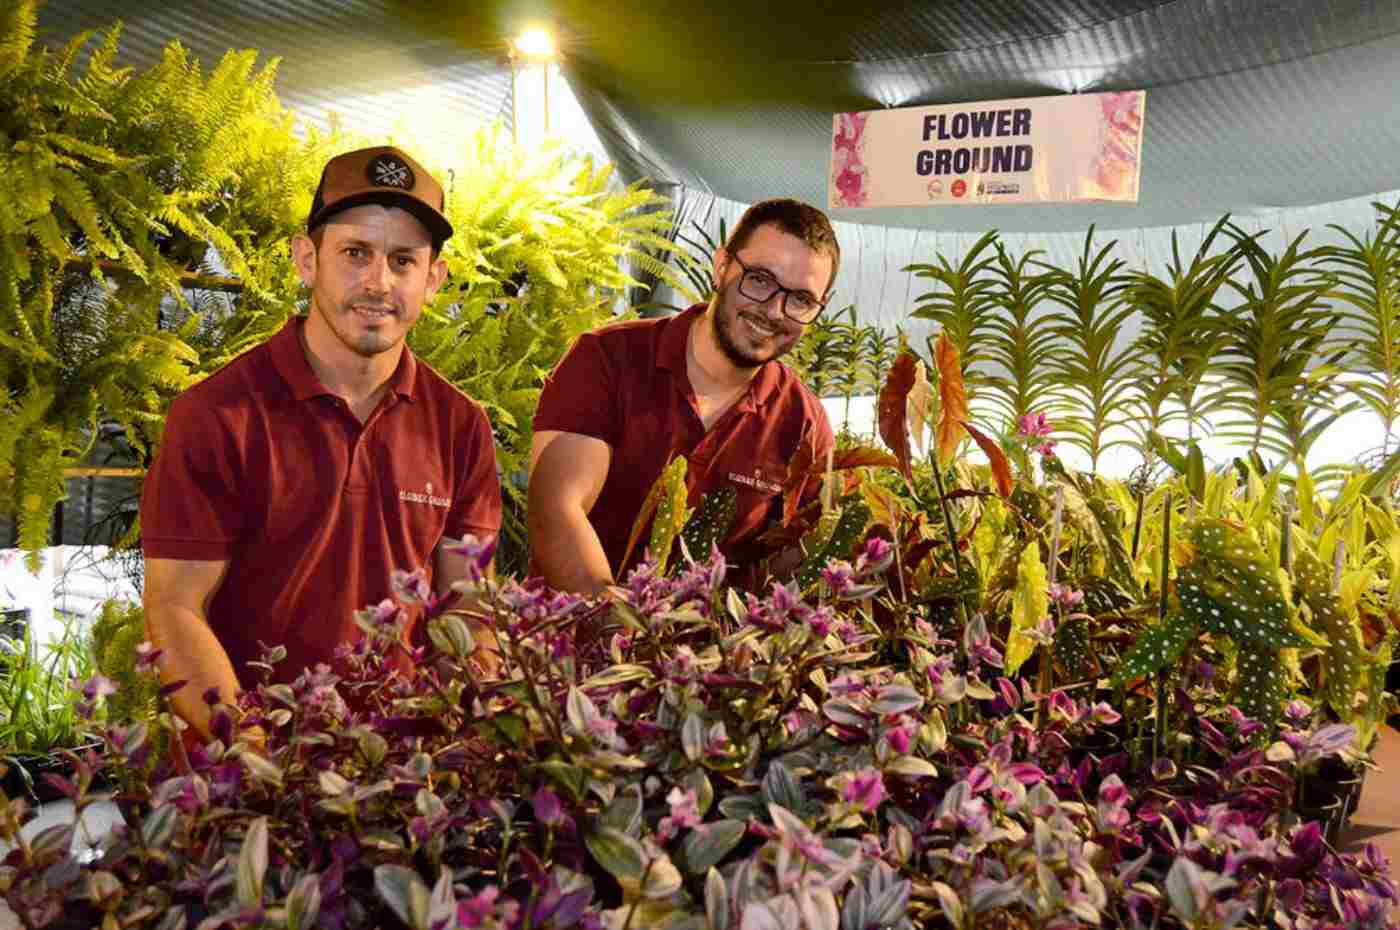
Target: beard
{"type": "Point", "coordinates": [342, 319]}
{"type": "Point", "coordinates": [728, 323]}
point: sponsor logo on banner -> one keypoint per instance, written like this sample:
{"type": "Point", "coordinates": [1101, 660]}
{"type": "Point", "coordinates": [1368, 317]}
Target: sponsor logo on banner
{"type": "Point", "coordinates": [993, 188]}
{"type": "Point", "coordinates": [1073, 148]}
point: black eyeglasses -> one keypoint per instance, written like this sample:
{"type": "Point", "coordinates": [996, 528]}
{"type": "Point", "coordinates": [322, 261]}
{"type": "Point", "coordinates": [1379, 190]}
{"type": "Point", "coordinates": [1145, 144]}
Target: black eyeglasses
{"type": "Point", "coordinates": [759, 284]}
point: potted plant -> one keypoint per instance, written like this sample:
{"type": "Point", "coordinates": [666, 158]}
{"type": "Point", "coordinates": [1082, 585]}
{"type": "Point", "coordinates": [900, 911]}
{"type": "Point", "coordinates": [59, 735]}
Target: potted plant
{"type": "Point", "coordinates": [40, 709]}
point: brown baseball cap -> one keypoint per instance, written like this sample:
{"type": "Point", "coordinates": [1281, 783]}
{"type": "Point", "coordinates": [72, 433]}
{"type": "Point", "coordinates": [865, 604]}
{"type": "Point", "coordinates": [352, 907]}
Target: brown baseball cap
{"type": "Point", "coordinates": [383, 175]}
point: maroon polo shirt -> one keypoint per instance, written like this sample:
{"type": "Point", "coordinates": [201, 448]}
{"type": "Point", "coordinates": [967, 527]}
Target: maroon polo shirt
{"type": "Point", "coordinates": [264, 468]}
{"type": "Point", "coordinates": [627, 385]}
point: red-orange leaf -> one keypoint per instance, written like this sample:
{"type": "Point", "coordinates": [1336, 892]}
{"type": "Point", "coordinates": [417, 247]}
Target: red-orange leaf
{"type": "Point", "coordinates": [953, 395]}
{"type": "Point", "coordinates": [802, 464]}
{"type": "Point", "coordinates": [1001, 468]}
{"type": "Point", "coordinates": [855, 457]}
{"type": "Point", "coordinates": [894, 428]}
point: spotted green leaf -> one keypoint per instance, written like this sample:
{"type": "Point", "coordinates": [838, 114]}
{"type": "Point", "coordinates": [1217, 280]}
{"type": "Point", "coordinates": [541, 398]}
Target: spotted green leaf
{"type": "Point", "coordinates": [1261, 684]}
{"type": "Point", "coordinates": [711, 522]}
{"type": "Point", "coordinates": [1343, 661]}
{"type": "Point", "coordinates": [671, 511]}
{"type": "Point", "coordinates": [1228, 586]}
{"type": "Point", "coordinates": [851, 521]}
{"type": "Point", "coordinates": [1157, 647]}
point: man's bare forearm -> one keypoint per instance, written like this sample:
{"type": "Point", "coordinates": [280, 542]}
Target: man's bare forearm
{"type": "Point", "coordinates": [190, 653]}
{"type": "Point", "coordinates": [567, 550]}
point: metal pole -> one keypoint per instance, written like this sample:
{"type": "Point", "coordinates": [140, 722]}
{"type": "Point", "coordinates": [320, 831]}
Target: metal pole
{"type": "Point", "coordinates": [514, 101]}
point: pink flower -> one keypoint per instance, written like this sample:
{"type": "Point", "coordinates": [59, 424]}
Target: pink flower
{"type": "Point", "coordinates": [1105, 715]}
{"type": "Point", "coordinates": [839, 576]}
{"type": "Point", "coordinates": [98, 686]}
{"type": "Point", "coordinates": [685, 813]}
{"type": "Point", "coordinates": [865, 790]}
{"type": "Point", "coordinates": [1034, 425]}
{"type": "Point", "coordinates": [474, 911]}
{"type": "Point", "coordinates": [900, 736]}
{"type": "Point", "coordinates": [478, 557]}
{"type": "Point", "coordinates": [876, 558]}
{"type": "Point", "coordinates": [1066, 596]}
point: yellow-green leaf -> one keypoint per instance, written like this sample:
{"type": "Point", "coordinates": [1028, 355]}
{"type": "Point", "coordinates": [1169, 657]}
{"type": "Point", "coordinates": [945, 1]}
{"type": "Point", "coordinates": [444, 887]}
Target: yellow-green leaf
{"type": "Point", "coordinates": [671, 511]}
{"type": "Point", "coordinates": [1030, 604]}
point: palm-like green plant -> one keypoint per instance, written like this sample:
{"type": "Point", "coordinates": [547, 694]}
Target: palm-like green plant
{"type": "Point", "coordinates": [814, 357]}
{"type": "Point", "coordinates": [1180, 336]}
{"type": "Point", "coordinates": [1368, 279]}
{"type": "Point", "coordinates": [1097, 373]}
{"type": "Point", "coordinates": [846, 353]}
{"type": "Point", "coordinates": [963, 303]}
{"type": "Point", "coordinates": [1276, 379]}
{"type": "Point", "coordinates": [698, 265]}
{"type": "Point", "coordinates": [1023, 341]}
{"type": "Point", "coordinates": [877, 352]}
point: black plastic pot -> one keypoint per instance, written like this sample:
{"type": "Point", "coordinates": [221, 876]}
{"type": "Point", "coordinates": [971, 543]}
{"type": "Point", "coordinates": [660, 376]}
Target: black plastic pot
{"type": "Point", "coordinates": [1329, 795]}
{"type": "Point", "coordinates": [13, 622]}
{"type": "Point", "coordinates": [24, 775]}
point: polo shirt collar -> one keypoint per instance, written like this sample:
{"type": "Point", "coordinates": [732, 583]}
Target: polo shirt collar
{"type": "Point", "coordinates": [289, 358]}
{"type": "Point", "coordinates": [671, 355]}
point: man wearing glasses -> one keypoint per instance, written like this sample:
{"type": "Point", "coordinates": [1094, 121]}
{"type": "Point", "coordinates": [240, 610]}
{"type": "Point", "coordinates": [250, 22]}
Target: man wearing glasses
{"type": "Point", "coordinates": [705, 384]}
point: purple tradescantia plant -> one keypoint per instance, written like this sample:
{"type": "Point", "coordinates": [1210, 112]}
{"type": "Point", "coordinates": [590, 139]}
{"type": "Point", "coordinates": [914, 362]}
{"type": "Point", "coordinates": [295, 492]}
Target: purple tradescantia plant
{"type": "Point", "coordinates": [685, 755]}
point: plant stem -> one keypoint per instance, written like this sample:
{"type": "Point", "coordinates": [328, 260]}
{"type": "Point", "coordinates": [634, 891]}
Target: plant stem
{"type": "Point", "coordinates": [1137, 524]}
{"type": "Point", "coordinates": [952, 535]}
{"type": "Point", "coordinates": [1045, 678]}
{"type": "Point", "coordinates": [1159, 737]}
{"type": "Point", "coordinates": [1285, 544]}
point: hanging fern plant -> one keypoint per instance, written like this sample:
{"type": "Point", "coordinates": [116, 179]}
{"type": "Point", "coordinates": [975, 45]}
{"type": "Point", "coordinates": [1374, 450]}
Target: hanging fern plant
{"type": "Point", "coordinates": [114, 187]}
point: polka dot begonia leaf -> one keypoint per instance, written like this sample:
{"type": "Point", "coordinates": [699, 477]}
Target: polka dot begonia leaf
{"type": "Point", "coordinates": [1343, 661]}
{"type": "Point", "coordinates": [1157, 647]}
{"type": "Point", "coordinates": [1073, 648]}
{"type": "Point", "coordinates": [1228, 587]}
{"type": "Point", "coordinates": [1261, 684]}
{"type": "Point", "coordinates": [711, 522]}
{"type": "Point", "coordinates": [850, 524]}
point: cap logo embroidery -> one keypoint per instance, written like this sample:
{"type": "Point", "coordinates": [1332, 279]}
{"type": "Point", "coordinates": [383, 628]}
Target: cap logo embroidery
{"type": "Point", "coordinates": [388, 171]}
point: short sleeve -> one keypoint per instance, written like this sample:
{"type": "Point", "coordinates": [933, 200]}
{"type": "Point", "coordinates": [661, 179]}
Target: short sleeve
{"type": "Point", "coordinates": [476, 503]}
{"type": "Point", "coordinates": [579, 396]}
{"type": "Point", "coordinates": [191, 507]}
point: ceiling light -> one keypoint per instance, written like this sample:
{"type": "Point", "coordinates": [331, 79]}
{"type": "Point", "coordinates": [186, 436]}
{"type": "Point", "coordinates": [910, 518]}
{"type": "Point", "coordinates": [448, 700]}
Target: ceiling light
{"type": "Point", "coordinates": [535, 43]}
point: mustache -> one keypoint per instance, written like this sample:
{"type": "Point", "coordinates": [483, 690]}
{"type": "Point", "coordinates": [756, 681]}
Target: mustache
{"type": "Point", "coordinates": [369, 303]}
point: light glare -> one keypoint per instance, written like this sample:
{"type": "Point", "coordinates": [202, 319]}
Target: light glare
{"type": "Point", "coordinates": [535, 43]}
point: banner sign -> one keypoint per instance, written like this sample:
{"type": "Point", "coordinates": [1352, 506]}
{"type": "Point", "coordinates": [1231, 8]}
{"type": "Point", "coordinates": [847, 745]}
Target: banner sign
{"type": "Point", "coordinates": [1034, 150]}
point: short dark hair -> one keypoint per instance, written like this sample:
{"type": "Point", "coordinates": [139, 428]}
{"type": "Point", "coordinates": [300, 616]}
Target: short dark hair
{"type": "Point", "coordinates": [795, 218]}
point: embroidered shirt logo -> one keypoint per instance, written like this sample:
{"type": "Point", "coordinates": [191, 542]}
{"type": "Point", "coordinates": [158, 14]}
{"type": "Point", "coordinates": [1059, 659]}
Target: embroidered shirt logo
{"type": "Point", "coordinates": [425, 497]}
{"type": "Point", "coordinates": [756, 482]}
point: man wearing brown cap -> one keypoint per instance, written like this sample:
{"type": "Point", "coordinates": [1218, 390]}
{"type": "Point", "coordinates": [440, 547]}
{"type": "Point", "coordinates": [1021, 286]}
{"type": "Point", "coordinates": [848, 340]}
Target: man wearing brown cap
{"type": "Point", "coordinates": [293, 481]}
{"type": "Point", "coordinates": [705, 384]}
